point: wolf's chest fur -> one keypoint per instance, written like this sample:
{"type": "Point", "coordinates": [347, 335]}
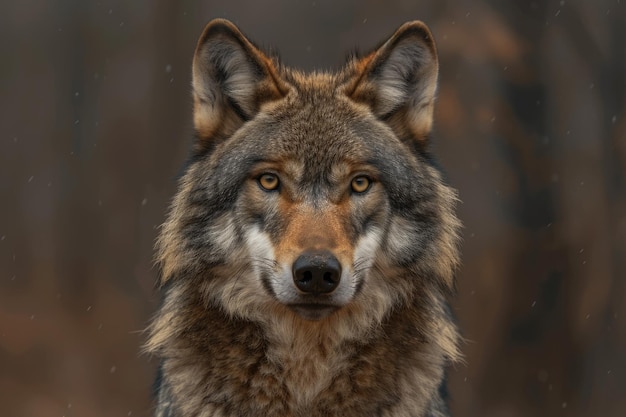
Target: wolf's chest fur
{"type": "Point", "coordinates": [307, 368]}
{"type": "Point", "coordinates": [246, 372]}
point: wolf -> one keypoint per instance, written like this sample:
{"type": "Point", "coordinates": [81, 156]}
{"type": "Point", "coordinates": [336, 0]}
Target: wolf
{"type": "Point", "coordinates": [310, 252]}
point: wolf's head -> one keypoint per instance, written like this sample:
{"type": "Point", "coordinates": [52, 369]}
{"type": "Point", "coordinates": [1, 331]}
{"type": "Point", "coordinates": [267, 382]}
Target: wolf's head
{"type": "Point", "coordinates": [312, 195]}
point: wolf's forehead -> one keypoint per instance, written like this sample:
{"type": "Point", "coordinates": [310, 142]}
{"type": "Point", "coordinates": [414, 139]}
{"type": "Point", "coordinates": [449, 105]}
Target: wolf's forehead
{"type": "Point", "coordinates": [317, 131]}
{"type": "Point", "coordinates": [317, 142]}
{"type": "Point", "coordinates": [301, 171]}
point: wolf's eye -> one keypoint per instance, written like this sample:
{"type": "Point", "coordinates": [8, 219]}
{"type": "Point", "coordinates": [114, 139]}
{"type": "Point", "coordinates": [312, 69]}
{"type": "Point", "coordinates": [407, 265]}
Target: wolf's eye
{"type": "Point", "coordinates": [360, 184]}
{"type": "Point", "coordinates": [268, 182]}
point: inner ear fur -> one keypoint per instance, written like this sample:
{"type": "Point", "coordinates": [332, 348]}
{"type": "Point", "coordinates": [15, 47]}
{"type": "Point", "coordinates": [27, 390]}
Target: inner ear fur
{"type": "Point", "coordinates": [231, 79]}
{"type": "Point", "coordinates": [398, 81]}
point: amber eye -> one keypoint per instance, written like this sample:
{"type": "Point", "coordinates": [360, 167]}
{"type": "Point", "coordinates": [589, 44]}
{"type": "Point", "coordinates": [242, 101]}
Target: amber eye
{"type": "Point", "coordinates": [360, 184]}
{"type": "Point", "coordinates": [268, 182]}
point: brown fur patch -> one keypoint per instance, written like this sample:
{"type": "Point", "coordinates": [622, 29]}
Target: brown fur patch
{"type": "Point", "coordinates": [315, 230]}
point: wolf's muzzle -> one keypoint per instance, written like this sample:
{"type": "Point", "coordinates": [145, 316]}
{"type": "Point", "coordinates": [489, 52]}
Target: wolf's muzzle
{"type": "Point", "coordinates": [316, 272]}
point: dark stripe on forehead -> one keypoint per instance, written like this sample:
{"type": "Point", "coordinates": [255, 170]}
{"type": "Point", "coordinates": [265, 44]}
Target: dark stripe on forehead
{"type": "Point", "coordinates": [216, 188]}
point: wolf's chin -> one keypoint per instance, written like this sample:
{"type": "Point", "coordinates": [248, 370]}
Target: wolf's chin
{"type": "Point", "coordinates": [313, 312]}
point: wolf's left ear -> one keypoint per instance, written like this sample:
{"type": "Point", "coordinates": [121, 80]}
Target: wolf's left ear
{"type": "Point", "coordinates": [231, 80]}
{"type": "Point", "coordinates": [399, 81]}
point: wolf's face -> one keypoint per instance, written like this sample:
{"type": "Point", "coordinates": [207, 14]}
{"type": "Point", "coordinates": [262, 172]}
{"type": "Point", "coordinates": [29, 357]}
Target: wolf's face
{"type": "Point", "coordinates": [312, 202]}
{"type": "Point", "coordinates": [313, 194]}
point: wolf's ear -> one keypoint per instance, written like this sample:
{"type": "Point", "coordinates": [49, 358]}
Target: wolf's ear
{"type": "Point", "coordinates": [399, 80]}
{"type": "Point", "coordinates": [231, 80]}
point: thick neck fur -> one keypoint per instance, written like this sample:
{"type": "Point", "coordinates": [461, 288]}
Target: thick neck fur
{"type": "Point", "coordinates": [292, 367]}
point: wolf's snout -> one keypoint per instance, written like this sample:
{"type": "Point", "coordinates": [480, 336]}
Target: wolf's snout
{"type": "Point", "coordinates": [316, 272]}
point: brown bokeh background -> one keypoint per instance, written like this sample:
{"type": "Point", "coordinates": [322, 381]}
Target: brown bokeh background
{"type": "Point", "coordinates": [531, 129]}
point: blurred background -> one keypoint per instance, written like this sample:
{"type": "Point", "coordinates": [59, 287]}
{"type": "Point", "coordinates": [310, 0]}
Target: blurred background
{"type": "Point", "coordinates": [95, 124]}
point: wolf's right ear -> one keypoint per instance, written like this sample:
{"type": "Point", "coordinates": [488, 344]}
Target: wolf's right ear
{"type": "Point", "coordinates": [231, 80]}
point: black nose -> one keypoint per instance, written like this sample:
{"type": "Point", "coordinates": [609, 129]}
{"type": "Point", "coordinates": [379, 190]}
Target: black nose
{"type": "Point", "coordinates": [316, 272]}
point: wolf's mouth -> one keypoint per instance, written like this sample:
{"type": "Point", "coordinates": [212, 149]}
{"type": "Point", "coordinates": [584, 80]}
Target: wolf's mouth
{"type": "Point", "coordinates": [313, 311]}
